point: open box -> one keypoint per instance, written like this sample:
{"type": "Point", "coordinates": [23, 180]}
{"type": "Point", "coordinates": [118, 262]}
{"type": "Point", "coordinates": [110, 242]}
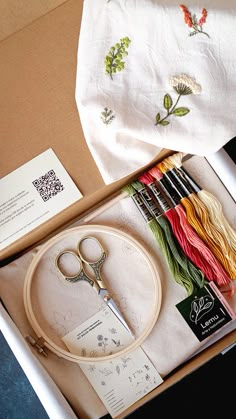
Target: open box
{"type": "Point", "coordinates": [38, 56]}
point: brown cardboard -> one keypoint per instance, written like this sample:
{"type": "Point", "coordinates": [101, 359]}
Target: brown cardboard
{"type": "Point", "coordinates": [38, 111]}
{"type": "Point", "coordinates": [16, 14]}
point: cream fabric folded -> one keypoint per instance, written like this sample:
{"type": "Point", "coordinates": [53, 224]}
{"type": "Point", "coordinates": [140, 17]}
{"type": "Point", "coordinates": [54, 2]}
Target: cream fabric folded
{"type": "Point", "coordinates": [175, 89]}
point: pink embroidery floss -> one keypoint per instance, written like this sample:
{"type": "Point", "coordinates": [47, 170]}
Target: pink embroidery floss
{"type": "Point", "coordinates": [219, 273]}
{"type": "Point", "coordinates": [213, 205]}
{"type": "Point", "coordinates": [192, 252]}
{"type": "Point", "coordinates": [198, 216]}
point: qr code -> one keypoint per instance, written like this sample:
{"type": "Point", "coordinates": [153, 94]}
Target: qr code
{"type": "Point", "coordinates": [48, 185]}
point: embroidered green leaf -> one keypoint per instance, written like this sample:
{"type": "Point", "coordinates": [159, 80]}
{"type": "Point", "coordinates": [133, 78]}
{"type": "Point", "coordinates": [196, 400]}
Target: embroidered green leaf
{"type": "Point", "coordinates": [167, 102]}
{"type": "Point", "coordinates": [158, 117]}
{"type": "Point", "coordinates": [164, 123]}
{"type": "Point", "coordinates": [181, 111]}
{"type": "Point", "coordinates": [183, 85]}
{"type": "Point", "coordinates": [113, 60]}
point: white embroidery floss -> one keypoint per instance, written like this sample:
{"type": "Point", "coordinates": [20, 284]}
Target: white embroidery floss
{"type": "Point", "coordinates": [213, 205]}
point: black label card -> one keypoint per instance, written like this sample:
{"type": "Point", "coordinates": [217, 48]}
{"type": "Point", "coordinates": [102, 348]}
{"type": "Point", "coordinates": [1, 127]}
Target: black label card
{"type": "Point", "coordinates": [206, 311]}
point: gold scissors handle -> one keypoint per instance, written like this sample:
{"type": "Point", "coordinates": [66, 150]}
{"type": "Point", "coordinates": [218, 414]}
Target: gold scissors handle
{"type": "Point", "coordinates": [80, 275]}
{"type": "Point", "coordinates": [94, 264]}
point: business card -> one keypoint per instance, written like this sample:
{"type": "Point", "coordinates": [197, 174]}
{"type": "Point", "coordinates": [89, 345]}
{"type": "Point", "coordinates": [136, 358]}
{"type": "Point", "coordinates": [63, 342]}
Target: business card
{"type": "Point", "coordinates": [32, 194]}
{"type": "Point", "coordinates": [119, 382]}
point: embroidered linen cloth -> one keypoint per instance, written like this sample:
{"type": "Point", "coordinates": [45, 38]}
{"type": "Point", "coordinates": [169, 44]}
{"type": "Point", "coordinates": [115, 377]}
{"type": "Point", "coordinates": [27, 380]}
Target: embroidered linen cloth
{"type": "Point", "coordinates": [152, 75]}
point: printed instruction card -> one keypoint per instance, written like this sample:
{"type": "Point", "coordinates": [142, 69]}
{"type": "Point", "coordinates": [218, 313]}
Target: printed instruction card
{"type": "Point", "coordinates": [119, 382]}
{"type": "Point", "coordinates": [32, 194]}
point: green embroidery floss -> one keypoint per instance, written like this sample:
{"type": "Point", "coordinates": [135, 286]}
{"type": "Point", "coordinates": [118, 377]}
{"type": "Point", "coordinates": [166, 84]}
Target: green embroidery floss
{"type": "Point", "coordinates": [114, 59]}
{"type": "Point", "coordinates": [191, 270]}
{"type": "Point", "coordinates": [175, 268]}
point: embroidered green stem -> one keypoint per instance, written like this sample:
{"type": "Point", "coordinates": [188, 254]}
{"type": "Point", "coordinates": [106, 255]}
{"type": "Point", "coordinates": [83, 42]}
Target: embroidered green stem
{"type": "Point", "coordinates": [198, 29]}
{"type": "Point", "coordinates": [170, 111]}
{"type": "Point", "coordinates": [183, 85]}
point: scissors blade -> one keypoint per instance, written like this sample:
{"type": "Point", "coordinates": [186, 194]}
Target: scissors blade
{"type": "Point", "coordinates": [112, 305]}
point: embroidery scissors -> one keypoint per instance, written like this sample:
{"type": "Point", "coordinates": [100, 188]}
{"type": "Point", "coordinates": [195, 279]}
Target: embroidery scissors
{"type": "Point", "coordinates": [97, 283]}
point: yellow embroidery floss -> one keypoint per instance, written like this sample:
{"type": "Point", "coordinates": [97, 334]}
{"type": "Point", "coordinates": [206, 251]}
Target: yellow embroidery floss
{"type": "Point", "coordinates": [215, 209]}
{"type": "Point", "coordinates": [198, 217]}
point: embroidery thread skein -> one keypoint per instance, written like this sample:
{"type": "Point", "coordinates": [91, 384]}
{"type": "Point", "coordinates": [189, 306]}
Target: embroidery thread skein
{"type": "Point", "coordinates": [198, 217]}
{"type": "Point", "coordinates": [214, 206]}
{"type": "Point", "coordinates": [178, 273]}
{"type": "Point", "coordinates": [194, 273]}
{"type": "Point", "coordinates": [181, 234]}
{"type": "Point", "coordinates": [191, 234]}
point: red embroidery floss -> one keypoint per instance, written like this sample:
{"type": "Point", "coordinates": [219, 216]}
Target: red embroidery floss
{"type": "Point", "coordinates": [220, 275]}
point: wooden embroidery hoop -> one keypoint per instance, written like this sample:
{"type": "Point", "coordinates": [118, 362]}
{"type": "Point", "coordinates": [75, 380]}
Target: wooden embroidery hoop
{"type": "Point", "coordinates": [86, 230]}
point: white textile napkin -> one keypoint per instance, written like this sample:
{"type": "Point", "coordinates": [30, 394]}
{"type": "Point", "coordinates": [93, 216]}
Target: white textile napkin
{"type": "Point", "coordinates": [175, 53]}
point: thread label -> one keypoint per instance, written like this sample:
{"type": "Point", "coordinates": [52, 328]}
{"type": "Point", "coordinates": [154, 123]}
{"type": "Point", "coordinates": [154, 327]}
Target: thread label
{"type": "Point", "coordinates": [206, 311]}
{"type": "Point", "coordinates": [160, 198]}
{"type": "Point", "coordinates": [142, 207]}
{"type": "Point", "coordinates": [150, 203]}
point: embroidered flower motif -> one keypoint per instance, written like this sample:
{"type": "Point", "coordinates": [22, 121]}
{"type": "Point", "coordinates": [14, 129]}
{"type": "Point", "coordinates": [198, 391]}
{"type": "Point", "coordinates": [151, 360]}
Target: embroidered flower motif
{"type": "Point", "coordinates": [114, 59]}
{"type": "Point", "coordinates": [107, 116]}
{"type": "Point", "coordinates": [183, 85]}
{"type": "Point", "coordinates": [192, 21]}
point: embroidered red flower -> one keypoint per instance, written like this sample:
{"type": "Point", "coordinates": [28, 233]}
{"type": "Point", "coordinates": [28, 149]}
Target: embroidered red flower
{"type": "Point", "coordinates": [192, 21]}
{"type": "Point", "coordinates": [203, 17]}
{"type": "Point", "coordinates": [187, 15]}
